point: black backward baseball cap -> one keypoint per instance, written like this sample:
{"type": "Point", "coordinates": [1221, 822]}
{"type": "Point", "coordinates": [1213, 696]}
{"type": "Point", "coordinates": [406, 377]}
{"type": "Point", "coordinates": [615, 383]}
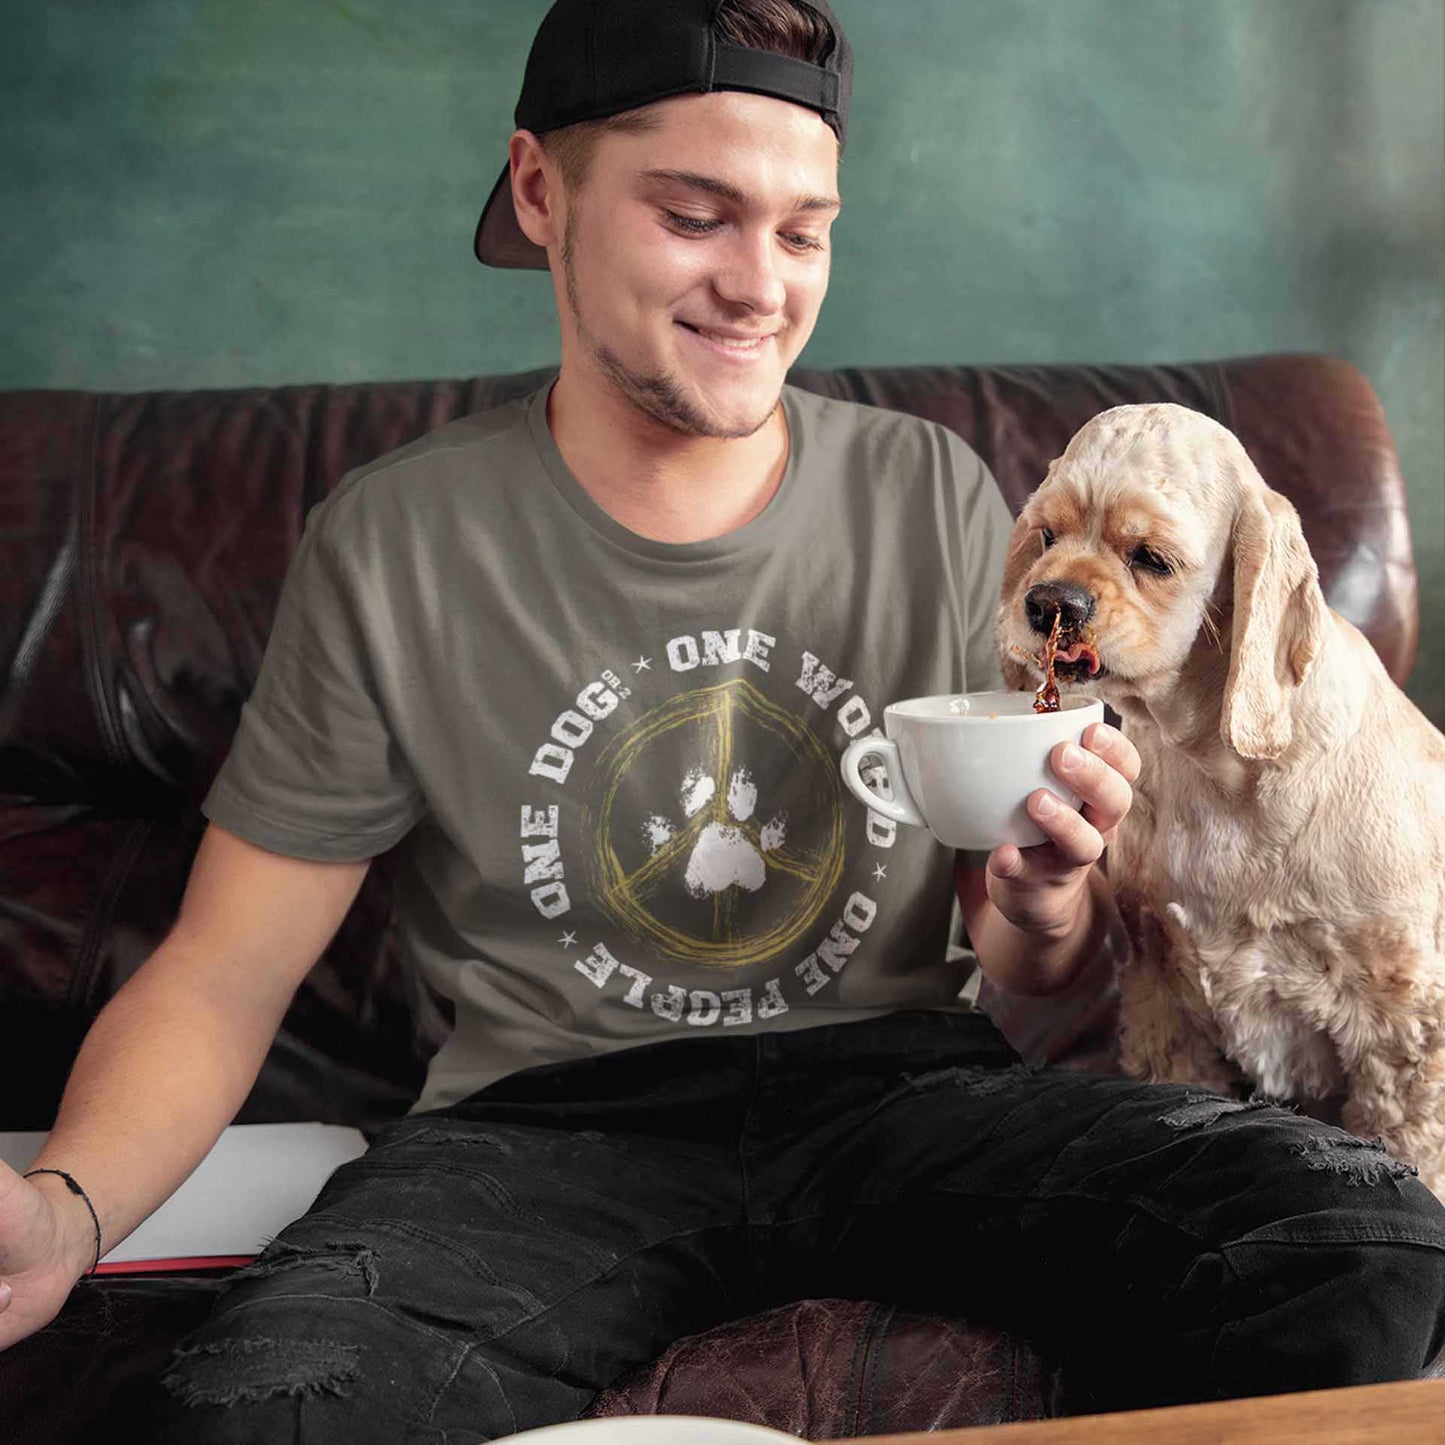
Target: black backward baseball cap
{"type": "Point", "coordinates": [595, 58]}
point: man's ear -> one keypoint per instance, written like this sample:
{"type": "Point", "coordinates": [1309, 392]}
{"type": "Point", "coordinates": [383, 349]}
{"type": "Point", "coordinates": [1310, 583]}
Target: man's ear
{"type": "Point", "coordinates": [1279, 626]}
{"type": "Point", "coordinates": [536, 191]}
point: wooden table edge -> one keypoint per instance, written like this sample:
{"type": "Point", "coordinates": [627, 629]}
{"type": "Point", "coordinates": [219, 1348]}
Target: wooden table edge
{"type": "Point", "coordinates": [1398, 1413]}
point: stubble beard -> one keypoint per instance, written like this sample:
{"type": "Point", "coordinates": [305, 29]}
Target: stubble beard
{"type": "Point", "coordinates": [659, 395]}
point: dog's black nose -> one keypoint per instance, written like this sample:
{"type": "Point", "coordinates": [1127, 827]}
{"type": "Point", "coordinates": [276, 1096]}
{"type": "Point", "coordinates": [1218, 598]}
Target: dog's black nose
{"type": "Point", "coordinates": [1044, 600]}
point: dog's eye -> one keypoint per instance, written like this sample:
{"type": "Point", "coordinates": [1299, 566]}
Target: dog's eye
{"type": "Point", "coordinates": [1047, 536]}
{"type": "Point", "coordinates": [1150, 561]}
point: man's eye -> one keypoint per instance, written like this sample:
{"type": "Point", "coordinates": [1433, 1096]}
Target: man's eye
{"type": "Point", "coordinates": [800, 242]}
{"type": "Point", "coordinates": [1047, 536]}
{"type": "Point", "coordinates": [1150, 561]}
{"type": "Point", "coordinates": [692, 225]}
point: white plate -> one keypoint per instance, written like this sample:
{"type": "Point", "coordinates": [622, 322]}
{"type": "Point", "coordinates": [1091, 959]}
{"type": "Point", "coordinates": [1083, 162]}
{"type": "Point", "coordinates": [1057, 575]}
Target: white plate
{"type": "Point", "coordinates": [653, 1430]}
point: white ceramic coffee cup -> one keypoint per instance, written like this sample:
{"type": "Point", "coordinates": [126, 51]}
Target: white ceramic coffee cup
{"type": "Point", "coordinates": [963, 765]}
{"type": "Point", "coordinates": [654, 1430]}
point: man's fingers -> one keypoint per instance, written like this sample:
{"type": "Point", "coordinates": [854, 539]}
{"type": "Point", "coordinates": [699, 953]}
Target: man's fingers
{"type": "Point", "coordinates": [1115, 749]}
{"type": "Point", "coordinates": [1099, 774]}
{"type": "Point", "coordinates": [1079, 842]}
{"type": "Point", "coordinates": [1104, 792]}
{"type": "Point", "coordinates": [1006, 861]}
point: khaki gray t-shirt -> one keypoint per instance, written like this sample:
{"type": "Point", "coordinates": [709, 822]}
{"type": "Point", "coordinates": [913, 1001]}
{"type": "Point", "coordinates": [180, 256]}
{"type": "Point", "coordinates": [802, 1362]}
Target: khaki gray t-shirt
{"type": "Point", "coordinates": [614, 761]}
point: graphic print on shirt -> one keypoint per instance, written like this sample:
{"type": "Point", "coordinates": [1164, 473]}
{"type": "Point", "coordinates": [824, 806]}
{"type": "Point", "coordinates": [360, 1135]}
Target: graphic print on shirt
{"type": "Point", "coordinates": [713, 879]}
{"type": "Point", "coordinates": [708, 828]}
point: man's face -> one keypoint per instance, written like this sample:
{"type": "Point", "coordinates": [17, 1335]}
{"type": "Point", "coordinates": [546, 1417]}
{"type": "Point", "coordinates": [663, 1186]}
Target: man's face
{"type": "Point", "coordinates": [696, 257]}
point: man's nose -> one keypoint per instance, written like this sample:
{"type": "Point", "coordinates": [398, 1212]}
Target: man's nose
{"type": "Point", "coordinates": [749, 276]}
{"type": "Point", "coordinates": [1070, 602]}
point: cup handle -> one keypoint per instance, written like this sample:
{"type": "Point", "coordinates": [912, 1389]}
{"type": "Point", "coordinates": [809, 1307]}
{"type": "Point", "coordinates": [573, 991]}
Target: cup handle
{"type": "Point", "coordinates": [901, 806]}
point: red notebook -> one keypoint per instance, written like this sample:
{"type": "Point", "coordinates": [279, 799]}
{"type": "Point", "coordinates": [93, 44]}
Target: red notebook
{"type": "Point", "coordinates": [255, 1181]}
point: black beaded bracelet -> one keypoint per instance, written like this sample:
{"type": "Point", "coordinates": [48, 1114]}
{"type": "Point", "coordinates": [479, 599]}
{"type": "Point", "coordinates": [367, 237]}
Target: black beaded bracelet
{"type": "Point", "coordinates": [76, 1189]}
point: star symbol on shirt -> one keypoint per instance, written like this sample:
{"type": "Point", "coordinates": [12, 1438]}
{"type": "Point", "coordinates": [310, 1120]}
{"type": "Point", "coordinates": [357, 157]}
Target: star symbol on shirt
{"type": "Point", "coordinates": [567, 940]}
{"type": "Point", "coordinates": [880, 872]}
{"type": "Point", "coordinates": [643, 664]}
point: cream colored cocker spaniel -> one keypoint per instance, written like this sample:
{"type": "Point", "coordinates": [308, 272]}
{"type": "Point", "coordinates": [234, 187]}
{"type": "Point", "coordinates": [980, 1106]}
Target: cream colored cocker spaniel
{"type": "Point", "coordinates": [1282, 873]}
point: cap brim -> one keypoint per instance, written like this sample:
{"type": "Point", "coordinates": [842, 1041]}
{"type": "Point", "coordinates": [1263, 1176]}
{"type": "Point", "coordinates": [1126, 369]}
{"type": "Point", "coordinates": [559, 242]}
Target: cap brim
{"type": "Point", "coordinates": [500, 240]}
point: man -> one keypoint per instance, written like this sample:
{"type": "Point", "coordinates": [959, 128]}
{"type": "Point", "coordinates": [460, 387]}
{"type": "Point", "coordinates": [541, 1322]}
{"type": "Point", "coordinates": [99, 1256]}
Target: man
{"type": "Point", "coordinates": [594, 654]}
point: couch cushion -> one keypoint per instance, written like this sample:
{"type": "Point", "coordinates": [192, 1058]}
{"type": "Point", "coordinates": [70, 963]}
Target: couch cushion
{"type": "Point", "coordinates": [840, 1368]}
{"type": "Point", "coordinates": [143, 541]}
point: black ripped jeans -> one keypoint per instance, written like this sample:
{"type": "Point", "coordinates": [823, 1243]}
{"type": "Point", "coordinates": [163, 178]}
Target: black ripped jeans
{"type": "Point", "coordinates": [489, 1267]}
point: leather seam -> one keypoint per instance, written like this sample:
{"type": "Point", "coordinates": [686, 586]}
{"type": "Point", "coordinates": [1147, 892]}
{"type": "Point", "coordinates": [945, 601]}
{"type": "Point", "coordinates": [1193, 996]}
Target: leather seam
{"type": "Point", "coordinates": [88, 594]}
{"type": "Point", "coordinates": [866, 1359]}
{"type": "Point", "coordinates": [1223, 395]}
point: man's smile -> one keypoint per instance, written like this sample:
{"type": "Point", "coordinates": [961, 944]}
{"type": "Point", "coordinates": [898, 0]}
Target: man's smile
{"type": "Point", "coordinates": [730, 343]}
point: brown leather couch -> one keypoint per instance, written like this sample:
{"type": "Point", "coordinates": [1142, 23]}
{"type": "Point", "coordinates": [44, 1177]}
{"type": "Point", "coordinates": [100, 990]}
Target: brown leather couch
{"type": "Point", "coordinates": [143, 543]}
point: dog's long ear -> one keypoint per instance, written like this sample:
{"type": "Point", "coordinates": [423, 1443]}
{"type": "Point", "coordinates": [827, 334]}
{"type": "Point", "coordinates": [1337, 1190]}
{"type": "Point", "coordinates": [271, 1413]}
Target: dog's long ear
{"type": "Point", "coordinates": [1280, 619]}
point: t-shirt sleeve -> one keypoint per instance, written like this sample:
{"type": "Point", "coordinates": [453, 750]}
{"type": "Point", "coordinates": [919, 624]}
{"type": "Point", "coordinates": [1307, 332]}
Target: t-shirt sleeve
{"type": "Point", "coordinates": [313, 770]}
{"type": "Point", "coordinates": [987, 524]}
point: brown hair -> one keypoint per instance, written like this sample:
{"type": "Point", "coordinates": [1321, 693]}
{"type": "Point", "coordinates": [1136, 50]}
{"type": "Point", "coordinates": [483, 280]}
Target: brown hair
{"type": "Point", "coordinates": [784, 27]}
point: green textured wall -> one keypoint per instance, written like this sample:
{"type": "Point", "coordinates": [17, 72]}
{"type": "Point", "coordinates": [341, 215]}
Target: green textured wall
{"type": "Point", "coordinates": [223, 192]}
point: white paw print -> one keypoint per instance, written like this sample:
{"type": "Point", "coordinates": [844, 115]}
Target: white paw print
{"type": "Point", "coordinates": [725, 852]}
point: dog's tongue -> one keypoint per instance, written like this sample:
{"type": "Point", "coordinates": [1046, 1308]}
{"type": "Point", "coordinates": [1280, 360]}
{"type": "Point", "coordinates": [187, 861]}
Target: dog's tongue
{"type": "Point", "coordinates": [1075, 650]}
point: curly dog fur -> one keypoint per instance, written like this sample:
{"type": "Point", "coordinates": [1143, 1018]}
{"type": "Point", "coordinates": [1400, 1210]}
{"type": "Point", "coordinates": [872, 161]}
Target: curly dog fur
{"type": "Point", "coordinates": [1282, 872]}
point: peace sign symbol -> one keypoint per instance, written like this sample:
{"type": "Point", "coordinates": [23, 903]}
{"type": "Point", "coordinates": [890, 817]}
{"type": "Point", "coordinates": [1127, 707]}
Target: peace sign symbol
{"type": "Point", "coordinates": [731, 883]}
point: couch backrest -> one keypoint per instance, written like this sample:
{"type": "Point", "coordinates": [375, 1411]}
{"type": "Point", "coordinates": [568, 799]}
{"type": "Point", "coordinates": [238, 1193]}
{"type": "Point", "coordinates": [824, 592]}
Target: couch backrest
{"type": "Point", "coordinates": [143, 544]}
